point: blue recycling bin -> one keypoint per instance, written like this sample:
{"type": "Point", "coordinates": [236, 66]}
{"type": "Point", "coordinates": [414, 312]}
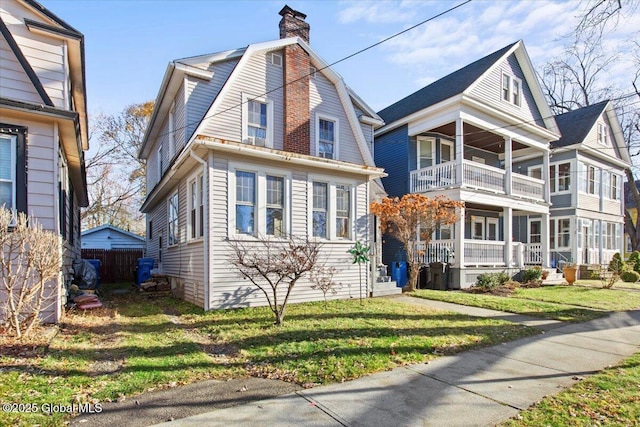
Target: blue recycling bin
{"type": "Point", "coordinates": [143, 270]}
{"type": "Point", "coordinates": [399, 273]}
{"type": "Point", "coordinates": [96, 263]}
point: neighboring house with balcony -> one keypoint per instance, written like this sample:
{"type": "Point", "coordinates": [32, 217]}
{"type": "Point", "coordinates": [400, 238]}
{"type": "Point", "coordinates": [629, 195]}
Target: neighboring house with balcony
{"type": "Point", "coordinates": [586, 183]}
{"type": "Point", "coordinates": [43, 128]}
{"type": "Point", "coordinates": [264, 140]}
{"type": "Point", "coordinates": [467, 137]}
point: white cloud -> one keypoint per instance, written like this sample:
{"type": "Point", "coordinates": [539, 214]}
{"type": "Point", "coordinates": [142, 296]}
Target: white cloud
{"type": "Point", "coordinates": [377, 12]}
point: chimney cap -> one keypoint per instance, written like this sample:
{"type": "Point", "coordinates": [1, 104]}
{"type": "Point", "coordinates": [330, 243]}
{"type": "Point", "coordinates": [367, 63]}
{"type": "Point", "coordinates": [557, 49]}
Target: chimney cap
{"type": "Point", "coordinates": [286, 10]}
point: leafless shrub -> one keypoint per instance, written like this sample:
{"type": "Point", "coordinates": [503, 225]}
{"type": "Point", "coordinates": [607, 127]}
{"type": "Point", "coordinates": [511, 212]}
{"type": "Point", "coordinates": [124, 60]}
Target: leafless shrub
{"type": "Point", "coordinates": [30, 257]}
{"type": "Point", "coordinates": [322, 277]}
{"type": "Point", "coordinates": [274, 265]}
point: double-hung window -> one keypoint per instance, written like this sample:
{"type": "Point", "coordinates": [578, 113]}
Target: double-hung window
{"type": "Point", "coordinates": [196, 219]}
{"type": "Point", "coordinates": [320, 209]}
{"type": "Point", "coordinates": [343, 211]}
{"type": "Point", "coordinates": [606, 184]}
{"type": "Point", "coordinates": [245, 202]}
{"type": "Point", "coordinates": [593, 176]}
{"type": "Point", "coordinates": [8, 171]}
{"type": "Point", "coordinates": [327, 137]}
{"type": "Point", "coordinates": [275, 206]}
{"type": "Point", "coordinates": [172, 220]}
{"type": "Point", "coordinates": [257, 120]}
{"type": "Point", "coordinates": [603, 134]}
{"type": "Point", "coordinates": [564, 233]}
{"type": "Point", "coordinates": [511, 89]}
{"type": "Point", "coordinates": [560, 177]}
{"type": "Point", "coordinates": [615, 187]}
{"type": "Point", "coordinates": [159, 163]}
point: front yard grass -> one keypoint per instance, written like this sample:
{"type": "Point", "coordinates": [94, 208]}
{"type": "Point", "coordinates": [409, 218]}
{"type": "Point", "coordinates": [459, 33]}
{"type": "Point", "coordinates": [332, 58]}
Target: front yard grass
{"type": "Point", "coordinates": [138, 344]}
{"type": "Point", "coordinates": [611, 397]}
{"type": "Point", "coordinates": [565, 303]}
{"type": "Point", "coordinates": [511, 304]}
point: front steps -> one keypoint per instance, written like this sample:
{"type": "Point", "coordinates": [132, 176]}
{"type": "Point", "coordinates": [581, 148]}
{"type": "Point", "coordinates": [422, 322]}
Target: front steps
{"type": "Point", "coordinates": [554, 278]}
{"type": "Point", "coordinates": [383, 285]}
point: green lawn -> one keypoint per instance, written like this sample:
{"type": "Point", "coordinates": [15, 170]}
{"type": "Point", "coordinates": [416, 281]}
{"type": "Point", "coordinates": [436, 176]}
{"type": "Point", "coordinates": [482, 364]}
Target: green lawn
{"type": "Point", "coordinates": [139, 343]}
{"type": "Point", "coordinates": [590, 297]}
{"type": "Point", "coordinates": [530, 307]}
{"type": "Point", "coordinates": [611, 398]}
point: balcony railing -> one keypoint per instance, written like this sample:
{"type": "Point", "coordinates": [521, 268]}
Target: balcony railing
{"type": "Point", "coordinates": [475, 175]}
{"type": "Point", "coordinates": [484, 252]}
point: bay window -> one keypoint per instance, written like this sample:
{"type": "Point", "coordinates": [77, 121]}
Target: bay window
{"type": "Point", "coordinates": [172, 220]}
{"type": "Point", "coordinates": [245, 202]}
{"type": "Point", "coordinates": [275, 206]}
{"type": "Point", "coordinates": [343, 211]}
{"type": "Point", "coordinates": [320, 209]}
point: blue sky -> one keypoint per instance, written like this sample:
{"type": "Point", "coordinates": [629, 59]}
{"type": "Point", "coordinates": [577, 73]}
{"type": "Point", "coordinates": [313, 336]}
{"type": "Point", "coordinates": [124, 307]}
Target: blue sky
{"type": "Point", "coordinates": [128, 44]}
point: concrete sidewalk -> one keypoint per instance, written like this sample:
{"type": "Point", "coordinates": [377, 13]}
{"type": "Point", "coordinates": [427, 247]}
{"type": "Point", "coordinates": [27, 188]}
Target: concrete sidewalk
{"type": "Point", "coordinates": [474, 388]}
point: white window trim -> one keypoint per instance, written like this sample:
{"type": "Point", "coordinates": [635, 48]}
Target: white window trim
{"type": "Point", "coordinates": [14, 160]}
{"type": "Point", "coordinates": [336, 134]}
{"type": "Point", "coordinates": [176, 237]}
{"type": "Point", "coordinates": [195, 178]}
{"type": "Point", "coordinates": [556, 177]}
{"type": "Point", "coordinates": [603, 130]}
{"type": "Point", "coordinates": [529, 230]}
{"type": "Point", "coordinates": [433, 150]}
{"type": "Point", "coordinates": [278, 62]}
{"type": "Point", "coordinates": [474, 221]}
{"type": "Point", "coordinates": [331, 208]}
{"type": "Point", "coordinates": [496, 222]}
{"type": "Point", "coordinates": [245, 117]}
{"type": "Point", "coordinates": [260, 212]}
{"type": "Point", "coordinates": [511, 92]}
{"type": "Point", "coordinates": [451, 147]}
{"type": "Point", "coordinates": [534, 168]}
{"type": "Point", "coordinates": [557, 234]}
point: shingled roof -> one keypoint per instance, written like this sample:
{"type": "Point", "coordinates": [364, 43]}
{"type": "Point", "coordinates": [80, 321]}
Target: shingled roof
{"type": "Point", "coordinates": [575, 125]}
{"type": "Point", "coordinates": [448, 86]}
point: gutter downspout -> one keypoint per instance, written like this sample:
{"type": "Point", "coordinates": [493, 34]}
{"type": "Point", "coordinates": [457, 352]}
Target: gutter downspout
{"type": "Point", "coordinates": [205, 231]}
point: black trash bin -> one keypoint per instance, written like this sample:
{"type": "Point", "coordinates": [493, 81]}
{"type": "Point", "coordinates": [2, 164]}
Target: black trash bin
{"type": "Point", "coordinates": [438, 275]}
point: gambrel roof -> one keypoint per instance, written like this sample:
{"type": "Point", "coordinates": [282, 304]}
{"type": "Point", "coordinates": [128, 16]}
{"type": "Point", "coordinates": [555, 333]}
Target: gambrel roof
{"type": "Point", "coordinates": [198, 66]}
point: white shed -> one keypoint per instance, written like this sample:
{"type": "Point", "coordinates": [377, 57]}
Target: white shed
{"type": "Point", "coordinates": [110, 237]}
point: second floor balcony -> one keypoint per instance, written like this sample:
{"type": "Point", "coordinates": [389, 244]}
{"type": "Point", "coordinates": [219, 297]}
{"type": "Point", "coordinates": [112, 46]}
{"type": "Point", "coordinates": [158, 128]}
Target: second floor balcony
{"type": "Point", "coordinates": [474, 175]}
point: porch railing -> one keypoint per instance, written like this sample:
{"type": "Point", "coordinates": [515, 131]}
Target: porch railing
{"type": "Point", "coordinates": [475, 175]}
{"type": "Point", "coordinates": [436, 251]}
{"type": "Point", "coordinates": [525, 186]}
{"type": "Point", "coordinates": [533, 254]}
{"type": "Point", "coordinates": [484, 252]}
{"type": "Point", "coordinates": [482, 176]}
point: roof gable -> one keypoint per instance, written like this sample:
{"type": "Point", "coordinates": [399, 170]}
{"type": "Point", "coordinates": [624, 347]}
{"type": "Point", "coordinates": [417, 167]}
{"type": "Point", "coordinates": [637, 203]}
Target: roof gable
{"type": "Point", "coordinates": [442, 89]}
{"type": "Point", "coordinates": [109, 229]}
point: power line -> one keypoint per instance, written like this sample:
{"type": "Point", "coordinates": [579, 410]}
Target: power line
{"type": "Point", "coordinates": [327, 66]}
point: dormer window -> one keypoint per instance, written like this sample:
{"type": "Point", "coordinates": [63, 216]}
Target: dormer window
{"type": "Point", "coordinates": [511, 89]}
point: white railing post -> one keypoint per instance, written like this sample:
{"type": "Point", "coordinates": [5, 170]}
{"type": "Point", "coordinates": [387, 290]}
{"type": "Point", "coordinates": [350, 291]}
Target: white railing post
{"type": "Point", "coordinates": [544, 240]}
{"type": "Point", "coordinates": [459, 150]}
{"type": "Point", "coordinates": [508, 164]}
{"type": "Point", "coordinates": [459, 240]}
{"type": "Point", "coordinates": [508, 234]}
{"type": "Point", "coordinates": [521, 256]}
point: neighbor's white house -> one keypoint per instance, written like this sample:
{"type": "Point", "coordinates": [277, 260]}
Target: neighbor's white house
{"type": "Point", "coordinates": [261, 140]}
{"type": "Point", "coordinates": [43, 127]}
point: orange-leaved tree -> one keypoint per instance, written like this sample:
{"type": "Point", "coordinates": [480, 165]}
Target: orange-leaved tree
{"type": "Point", "coordinates": [401, 218]}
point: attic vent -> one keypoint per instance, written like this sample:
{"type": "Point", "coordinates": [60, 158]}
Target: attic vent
{"type": "Point", "coordinates": [276, 59]}
{"type": "Point", "coordinates": [312, 72]}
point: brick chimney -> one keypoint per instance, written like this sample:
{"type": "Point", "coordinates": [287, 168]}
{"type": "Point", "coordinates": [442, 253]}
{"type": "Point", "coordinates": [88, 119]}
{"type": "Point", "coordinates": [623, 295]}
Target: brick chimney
{"type": "Point", "coordinates": [297, 126]}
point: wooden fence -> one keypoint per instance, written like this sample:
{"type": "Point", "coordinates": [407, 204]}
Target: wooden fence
{"type": "Point", "coordinates": [117, 265]}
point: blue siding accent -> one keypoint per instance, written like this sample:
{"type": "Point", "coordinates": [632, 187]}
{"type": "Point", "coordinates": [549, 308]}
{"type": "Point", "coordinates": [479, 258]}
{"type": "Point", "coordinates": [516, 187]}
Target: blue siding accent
{"type": "Point", "coordinates": [391, 153]}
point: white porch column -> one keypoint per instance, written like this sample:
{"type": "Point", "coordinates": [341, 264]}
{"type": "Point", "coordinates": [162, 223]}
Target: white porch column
{"type": "Point", "coordinates": [544, 238]}
{"type": "Point", "coordinates": [459, 240]}
{"type": "Point", "coordinates": [507, 231]}
{"type": "Point", "coordinates": [459, 152]}
{"type": "Point", "coordinates": [508, 165]}
{"type": "Point", "coordinates": [545, 176]}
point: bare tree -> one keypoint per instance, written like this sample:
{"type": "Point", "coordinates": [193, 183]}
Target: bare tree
{"type": "Point", "coordinates": [322, 279]}
{"type": "Point", "coordinates": [115, 175]}
{"type": "Point", "coordinates": [579, 78]}
{"type": "Point", "coordinates": [274, 266]}
{"type": "Point", "coordinates": [30, 257]}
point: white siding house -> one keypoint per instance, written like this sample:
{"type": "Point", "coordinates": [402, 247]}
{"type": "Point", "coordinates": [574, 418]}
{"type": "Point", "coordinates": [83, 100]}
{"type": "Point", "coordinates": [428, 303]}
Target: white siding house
{"type": "Point", "coordinates": [43, 127]}
{"type": "Point", "coordinates": [226, 127]}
